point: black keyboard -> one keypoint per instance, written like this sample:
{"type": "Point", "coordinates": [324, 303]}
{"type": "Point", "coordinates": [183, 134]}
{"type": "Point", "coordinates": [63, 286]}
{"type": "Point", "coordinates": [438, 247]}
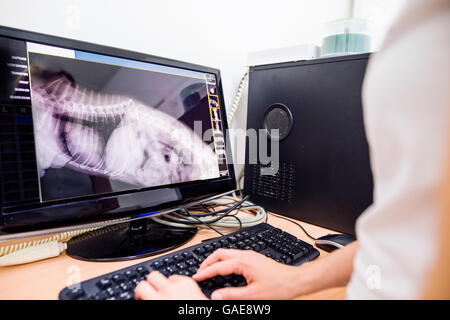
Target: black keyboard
{"type": "Point", "coordinates": [264, 238]}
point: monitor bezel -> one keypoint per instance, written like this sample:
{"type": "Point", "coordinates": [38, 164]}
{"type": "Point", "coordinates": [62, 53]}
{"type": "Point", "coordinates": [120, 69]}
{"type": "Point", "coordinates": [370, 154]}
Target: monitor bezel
{"type": "Point", "coordinates": [190, 190]}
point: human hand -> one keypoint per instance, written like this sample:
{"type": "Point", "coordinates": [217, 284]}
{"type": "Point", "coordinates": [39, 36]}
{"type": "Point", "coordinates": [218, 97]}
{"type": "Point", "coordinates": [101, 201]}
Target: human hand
{"type": "Point", "coordinates": [266, 278]}
{"type": "Point", "coordinates": [176, 287]}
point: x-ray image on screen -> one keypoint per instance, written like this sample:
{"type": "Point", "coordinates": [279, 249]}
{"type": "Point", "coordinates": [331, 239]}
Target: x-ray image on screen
{"type": "Point", "coordinates": [105, 128]}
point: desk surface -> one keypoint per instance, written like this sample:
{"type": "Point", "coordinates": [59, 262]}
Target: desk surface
{"type": "Point", "coordinates": [44, 279]}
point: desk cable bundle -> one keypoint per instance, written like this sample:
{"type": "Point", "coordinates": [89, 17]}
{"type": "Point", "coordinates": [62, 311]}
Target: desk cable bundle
{"type": "Point", "coordinates": [206, 215]}
{"type": "Point", "coordinates": [225, 217]}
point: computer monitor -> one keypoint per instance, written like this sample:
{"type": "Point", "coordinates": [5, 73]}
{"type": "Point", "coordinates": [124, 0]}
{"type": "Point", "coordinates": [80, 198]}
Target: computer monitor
{"type": "Point", "coordinates": [90, 133]}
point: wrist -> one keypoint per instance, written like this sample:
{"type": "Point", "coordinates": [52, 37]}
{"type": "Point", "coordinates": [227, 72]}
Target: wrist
{"type": "Point", "coordinates": [305, 279]}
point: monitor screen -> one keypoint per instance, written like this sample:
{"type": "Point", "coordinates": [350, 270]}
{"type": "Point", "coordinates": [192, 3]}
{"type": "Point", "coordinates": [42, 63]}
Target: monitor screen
{"type": "Point", "coordinates": [78, 123]}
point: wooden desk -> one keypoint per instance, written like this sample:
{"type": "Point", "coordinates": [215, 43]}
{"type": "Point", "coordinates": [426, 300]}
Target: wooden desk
{"type": "Point", "coordinates": [44, 279]}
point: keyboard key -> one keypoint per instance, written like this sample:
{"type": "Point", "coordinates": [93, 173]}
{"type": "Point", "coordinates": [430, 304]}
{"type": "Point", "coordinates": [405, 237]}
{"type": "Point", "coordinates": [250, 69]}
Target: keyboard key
{"type": "Point", "coordinates": [76, 292]}
{"type": "Point", "coordinates": [118, 278]}
{"type": "Point", "coordinates": [209, 248]}
{"type": "Point", "coordinates": [104, 283]}
{"type": "Point", "coordinates": [187, 255]}
{"type": "Point", "coordinates": [238, 281]}
{"type": "Point", "coordinates": [193, 270]}
{"type": "Point", "coordinates": [112, 292]}
{"type": "Point", "coordinates": [289, 236]}
{"type": "Point", "coordinates": [169, 261]}
{"type": "Point", "coordinates": [156, 265]}
{"type": "Point", "coordinates": [262, 245]}
{"type": "Point", "coordinates": [126, 296]}
{"type": "Point", "coordinates": [208, 283]}
{"type": "Point", "coordinates": [216, 245]}
{"type": "Point", "coordinates": [131, 274]}
{"type": "Point", "coordinates": [125, 287]}
{"type": "Point", "coordinates": [199, 250]}
{"type": "Point", "coordinates": [228, 277]}
{"type": "Point", "coordinates": [191, 262]}
{"type": "Point", "coordinates": [178, 258]}
{"type": "Point", "coordinates": [165, 272]}
{"type": "Point", "coordinates": [181, 266]}
{"type": "Point", "coordinates": [298, 255]}
{"type": "Point", "coordinates": [219, 280]}
{"type": "Point", "coordinates": [200, 259]}
{"type": "Point", "coordinates": [143, 271]}
{"type": "Point", "coordinates": [99, 296]}
{"type": "Point", "coordinates": [286, 259]}
{"type": "Point", "coordinates": [232, 239]}
{"type": "Point", "coordinates": [171, 270]}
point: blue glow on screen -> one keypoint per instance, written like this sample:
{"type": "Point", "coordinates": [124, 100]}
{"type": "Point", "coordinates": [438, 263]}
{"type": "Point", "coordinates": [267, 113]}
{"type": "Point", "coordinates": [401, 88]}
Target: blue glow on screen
{"type": "Point", "coordinates": [146, 214]}
{"type": "Point", "coordinates": [82, 55]}
{"type": "Point", "coordinates": [145, 251]}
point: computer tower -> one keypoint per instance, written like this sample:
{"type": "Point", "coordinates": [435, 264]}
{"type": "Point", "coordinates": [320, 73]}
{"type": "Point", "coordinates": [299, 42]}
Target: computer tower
{"type": "Point", "coordinates": [323, 174]}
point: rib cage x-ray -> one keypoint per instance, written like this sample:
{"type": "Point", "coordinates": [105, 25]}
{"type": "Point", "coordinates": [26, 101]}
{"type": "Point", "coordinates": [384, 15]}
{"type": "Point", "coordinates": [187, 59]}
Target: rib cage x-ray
{"type": "Point", "coordinates": [85, 124]}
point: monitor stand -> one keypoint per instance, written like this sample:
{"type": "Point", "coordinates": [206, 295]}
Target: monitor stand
{"type": "Point", "coordinates": [128, 240]}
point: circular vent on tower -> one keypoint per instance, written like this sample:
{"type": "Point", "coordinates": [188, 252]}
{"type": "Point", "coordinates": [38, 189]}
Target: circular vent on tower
{"type": "Point", "coordinates": [278, 116]}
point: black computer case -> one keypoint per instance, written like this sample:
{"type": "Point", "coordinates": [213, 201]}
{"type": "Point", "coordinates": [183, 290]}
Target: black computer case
{"type": "Point", "coordinates": [324, 175]}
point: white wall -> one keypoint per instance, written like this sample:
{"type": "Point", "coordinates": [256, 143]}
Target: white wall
{"type": "Point", "coordinates": [216, 33]}
{"type": "Point", "coordinates": [382, 13]}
